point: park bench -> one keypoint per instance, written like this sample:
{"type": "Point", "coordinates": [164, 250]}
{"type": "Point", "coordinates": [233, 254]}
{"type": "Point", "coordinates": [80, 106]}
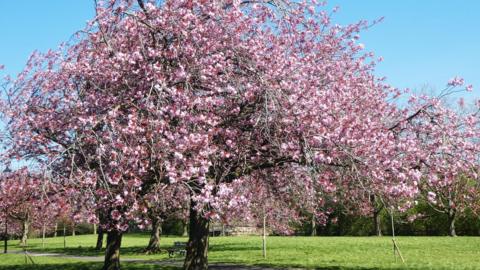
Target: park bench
{"type": "Point", "coordinates": [178, 247]}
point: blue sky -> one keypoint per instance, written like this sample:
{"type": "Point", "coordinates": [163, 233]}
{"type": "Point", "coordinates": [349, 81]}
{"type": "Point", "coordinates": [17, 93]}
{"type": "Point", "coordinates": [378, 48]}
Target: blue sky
{"type": "Point", "coordinates": [28, 25]}
{"type": "Point", "coordinates": [423, 42]}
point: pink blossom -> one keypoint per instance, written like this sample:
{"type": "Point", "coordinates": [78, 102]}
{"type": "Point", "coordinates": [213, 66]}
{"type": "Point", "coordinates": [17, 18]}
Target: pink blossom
{"type": "Point", "coordinates": [456, 81]}
{"type": "Point", "coordinates": [116, 215]}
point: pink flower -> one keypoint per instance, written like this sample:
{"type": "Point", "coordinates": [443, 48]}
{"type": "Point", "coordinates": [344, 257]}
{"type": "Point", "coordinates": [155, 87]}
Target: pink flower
{"type": "Point", "coordinates": [311, 9]}
{"type": "Point", "coordinates": [431, 197]}
{"type": "Point", "coordinates": [456, 81]}
{"type": "Point", "coordinates": [116, 215]}
{"type": "Point", "coordinates": [92, 219]}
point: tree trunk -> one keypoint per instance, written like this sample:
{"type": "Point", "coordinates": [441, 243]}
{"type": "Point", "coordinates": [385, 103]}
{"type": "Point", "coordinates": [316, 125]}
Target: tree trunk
{"type": "Point", "coordinates": [25, 227]}
{"type": "Point", "coordinates": [377, 219]}
{"type": "Point", "coordinates": [99, 244]}
{"type": "Point", "coordinates": [451, 222]}
{"type": "Point", "coordinates": [377, 222]}
{"type": "Point", "coordinates": [197, 246]}
{"type": "Point", "coordinates": [64, 236]}
{"type": "Point", "coordinates": [5, 236]}
{"type": "Point", "coordinates": [185, 229]}
{"type": "Point", "coordinates": [56, 228]}
{"type": "Point", "coordinates": [264, 237]}
{"type": "Point", "coordinates": [112, 252]}
{"type": "Point", "coordinates": [73, 229]}
{"type": "Point", "coordinates": [154, 243]}
{"type": "Point", "coordinates": [43, 236]}
{"type": "Point", "coordinates": [314, 225]}
{"type": "Point", "coordinates": [94, 228]}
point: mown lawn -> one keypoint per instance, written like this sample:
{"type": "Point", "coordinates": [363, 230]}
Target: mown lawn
{"type": "Point", "coordinates": [330, 253]}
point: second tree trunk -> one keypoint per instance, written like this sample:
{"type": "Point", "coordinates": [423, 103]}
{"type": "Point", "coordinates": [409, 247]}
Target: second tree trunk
{"type": "Point", "coordinates": [451, 223]}
{"type": "Point", "coordinates": [112, 252]}
{"type": "Point", "coordinates": [377, 222]}
{"type": "Point", "coordinates": [99, 244]}
{"type": "Point", "coordinates": [25, 227]}
{"type": "Point", "coordinates": [154, 243]}
{"type": "Point", "coordinates": [197, 247]}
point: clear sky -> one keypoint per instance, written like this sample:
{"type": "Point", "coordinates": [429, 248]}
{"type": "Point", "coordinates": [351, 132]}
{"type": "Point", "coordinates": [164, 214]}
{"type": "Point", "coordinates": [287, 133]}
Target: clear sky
{"type": "Point", "coordinates": [423, 42]}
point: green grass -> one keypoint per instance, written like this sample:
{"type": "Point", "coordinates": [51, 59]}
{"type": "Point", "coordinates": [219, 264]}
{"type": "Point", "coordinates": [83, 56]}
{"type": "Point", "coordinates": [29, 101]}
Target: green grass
{"type": "Point", "coordinates": [17, 262]}
{"type": "Point", "coordinates": [328, 253]}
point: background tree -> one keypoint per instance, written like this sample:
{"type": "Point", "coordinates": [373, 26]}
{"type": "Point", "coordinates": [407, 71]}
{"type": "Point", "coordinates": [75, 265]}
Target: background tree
{"type": "Point", "coordinates": [449, 155]}
{"type": "Point", "coordinates": [24, 195]}
{"type": "Point", "coordinates": [163, 202]}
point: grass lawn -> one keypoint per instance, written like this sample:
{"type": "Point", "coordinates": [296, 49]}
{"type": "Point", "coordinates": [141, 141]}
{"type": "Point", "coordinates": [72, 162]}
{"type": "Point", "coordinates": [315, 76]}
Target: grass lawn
{"type": "Point", "coordinates": [327, 253]}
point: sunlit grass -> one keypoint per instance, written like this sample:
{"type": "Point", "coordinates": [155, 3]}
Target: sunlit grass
{"type": "Point", "coordinates": [307, 252]}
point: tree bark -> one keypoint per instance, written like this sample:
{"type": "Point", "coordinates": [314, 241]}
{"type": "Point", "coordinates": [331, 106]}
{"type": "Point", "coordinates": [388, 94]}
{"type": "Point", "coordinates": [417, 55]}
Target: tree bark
{"type": "Point", "coordinates": [5, 236]}
{"type": "Point", "coordinates": [112, 252]}
{"type": "Point", "coordinates": [56, 228]}
{"type": "Point", "coordinates": [314, 225]}
{"type": "Point", "coordinates": [43, 236]}
{"type": "Point", "coordinates": [197, 246]}
{"type": "Point", "coordinates": [25, 227]}
{"type": "Point", "coordinates": [64, 235]}
{"type": "Point", "coordinates": [377, 222]}
{"type": "Point", "coordinates": [264, 237]}
{"type": "Point", "coordinates": [154, 243]}
{"type": "Point", "coordinates": [377, 219]}
{"type": "Point", "coordinates": [451, 222]}
{"type": "Point", "coordinates": [185, 229]}
{"type": "Point", "coordinates": [73, 229]}
{"type": "Point", "coordinates": [99, 244]}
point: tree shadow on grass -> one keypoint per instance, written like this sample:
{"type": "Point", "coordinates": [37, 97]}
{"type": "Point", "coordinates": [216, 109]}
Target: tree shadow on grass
{"type": "Point", "coordinates": [87, 251]}
{"type": "Point", "coordinates": [258, 266]}
{"type": "Point", "coordinates": [233, 266]}
{"type": "Point", "coordinates": [232, 247]}
{"type": "Point", "coordinates": [86, 266]}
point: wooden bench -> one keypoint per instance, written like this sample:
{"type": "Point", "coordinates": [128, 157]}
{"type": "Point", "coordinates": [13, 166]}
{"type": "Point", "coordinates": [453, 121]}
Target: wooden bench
{"type": "Point", "coordinates": [178, 247]}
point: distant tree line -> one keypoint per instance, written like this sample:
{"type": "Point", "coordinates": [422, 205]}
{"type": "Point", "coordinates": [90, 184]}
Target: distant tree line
{"type": "Point", "coordinates": [428, 223]}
